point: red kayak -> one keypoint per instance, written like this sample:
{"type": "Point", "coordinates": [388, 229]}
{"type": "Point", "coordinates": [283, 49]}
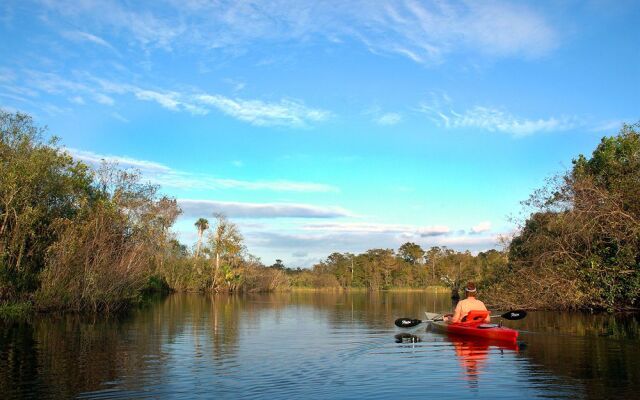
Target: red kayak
{"type": "Point", "coordinates": [474, 326]}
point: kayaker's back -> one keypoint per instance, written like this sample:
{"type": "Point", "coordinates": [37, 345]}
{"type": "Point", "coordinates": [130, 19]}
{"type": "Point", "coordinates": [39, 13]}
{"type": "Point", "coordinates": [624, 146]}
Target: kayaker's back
{"type": "Point", "coordinates": [469, 304]}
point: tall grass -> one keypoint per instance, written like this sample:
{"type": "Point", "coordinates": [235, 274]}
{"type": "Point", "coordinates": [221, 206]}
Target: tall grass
{"type": "Point", "coordinates": [96, 265]}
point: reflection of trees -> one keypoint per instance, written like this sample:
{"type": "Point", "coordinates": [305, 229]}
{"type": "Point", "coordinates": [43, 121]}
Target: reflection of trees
{"type": "Point", "coordinates": [585, 347]}
{"type": "Point", "coordinates": [19, 359]}
{"type": "Point", "coordinates": [64, 356]}
{"type": "Point", "coordinates": [374, 308]}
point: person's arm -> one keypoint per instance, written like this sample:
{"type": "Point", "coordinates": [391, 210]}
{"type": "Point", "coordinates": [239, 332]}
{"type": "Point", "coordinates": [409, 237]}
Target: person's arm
{"type": "Point", "coordinates": [488, 319]}
{"type": "Point", "coordinates": [457, 314]}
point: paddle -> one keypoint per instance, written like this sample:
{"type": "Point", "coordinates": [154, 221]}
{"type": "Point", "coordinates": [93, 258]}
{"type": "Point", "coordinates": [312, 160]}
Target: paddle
{"type": "Point", "coordinates": [410, 322]}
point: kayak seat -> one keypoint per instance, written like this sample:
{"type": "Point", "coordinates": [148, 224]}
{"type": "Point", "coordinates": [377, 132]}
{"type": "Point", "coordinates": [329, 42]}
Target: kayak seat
{"type": "Point", "coordinates": [475, 316]}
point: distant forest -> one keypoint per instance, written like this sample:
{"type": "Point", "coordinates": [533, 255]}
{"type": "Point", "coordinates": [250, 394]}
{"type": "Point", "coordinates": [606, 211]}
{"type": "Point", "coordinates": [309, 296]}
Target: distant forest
{"type": "Point", "coordinates": [82, 239]}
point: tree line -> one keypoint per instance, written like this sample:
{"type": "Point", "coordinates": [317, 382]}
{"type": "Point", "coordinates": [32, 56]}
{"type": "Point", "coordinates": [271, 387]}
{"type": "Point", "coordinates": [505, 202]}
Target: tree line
{"type": "Point", "coordinates": [409, 267]}
{"type": "Point", "coordinates": [77, 238]}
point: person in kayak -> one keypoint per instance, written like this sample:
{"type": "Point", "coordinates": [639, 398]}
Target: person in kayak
{"type": "Point", "coordinates": [465, 306]}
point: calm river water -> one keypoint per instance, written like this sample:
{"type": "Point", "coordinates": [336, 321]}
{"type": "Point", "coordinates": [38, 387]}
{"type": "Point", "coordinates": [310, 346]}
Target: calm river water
{"type": "Point", "coordinates": [306, 345]}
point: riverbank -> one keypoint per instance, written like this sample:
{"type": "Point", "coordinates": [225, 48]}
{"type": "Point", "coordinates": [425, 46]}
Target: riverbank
{"type": "Point", "coordinates": [17, 310]}
{"type": "Point", "coordinates": [429, 289]}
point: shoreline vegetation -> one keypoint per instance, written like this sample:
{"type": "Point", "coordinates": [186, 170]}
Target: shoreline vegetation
{"type": "Point", "coordinates": [75, 238]}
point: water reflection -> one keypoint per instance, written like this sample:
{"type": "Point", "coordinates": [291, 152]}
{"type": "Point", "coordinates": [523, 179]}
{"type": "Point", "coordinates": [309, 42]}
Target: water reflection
{"type": "Point", "coordinates": [472, 354]}
{"type": "Point", "coordinates": [600, 352]}
{"type": "Point", "coordinates": [307, 344]}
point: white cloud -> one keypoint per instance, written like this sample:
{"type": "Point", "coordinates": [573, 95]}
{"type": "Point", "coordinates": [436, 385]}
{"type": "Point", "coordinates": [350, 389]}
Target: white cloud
{"type": "Point", "coordinates": [199, 208]}
{"type": "Point", "coordinates": [88, 37]}
{"type": "Point", "coordinates": [389, 119]}
{"type": "Point", "coordinates": [170, 100]}
{"type": "Point", "coordinates": [104, 99]}
{"type": "Point", "coordinates": [493, 119]}
{"type": "Point", "coordinates": [277, 185]}
{"type": "Point", "coordinates": [483, 226]}
{"type": "Point", "coordinates": [119, 117]}
{"type": "Point", "coordinates": [147, 167]}
{"type": "Point", "coordinates": [289, 113]}
{"type": "Point", "coordinates": [364, 227]}
{"type": "Point", "coordinates": [140, 26]}
{"type": "Point", "coordinates": [256, 112]}
{"type": "Point", "coordinates": [609, 126]}
{"type": "Point", "coordinates": [475, 243]}
{"type": "Point", "coordinates": [51, 83]}
{"type": "Point", "coordinates": [321, 244]}
{"type": "Point", "coordinates": [166, 100]}
{"type": "Point", "coordinates": [168, 177]}
{"type": "Point", "coordinates": [428, 32]}
{"type": "Point", "coordinates": [425, 32]}
{"type": "Point", "coordinates": [77, 99]}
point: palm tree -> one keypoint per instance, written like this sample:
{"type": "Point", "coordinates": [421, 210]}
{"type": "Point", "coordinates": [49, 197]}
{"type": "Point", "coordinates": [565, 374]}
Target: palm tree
{"type": "Point", "coordinates": [202, 224]}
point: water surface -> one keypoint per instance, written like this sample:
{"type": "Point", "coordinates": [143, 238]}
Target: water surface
{"type": "Point", "coordinates": [313, 345]}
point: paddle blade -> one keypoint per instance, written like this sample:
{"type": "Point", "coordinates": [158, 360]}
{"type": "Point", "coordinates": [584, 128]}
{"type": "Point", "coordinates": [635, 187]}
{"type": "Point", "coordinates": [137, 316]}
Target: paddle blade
{"type": "Point", "coordinates": [406, 322]}
{"type": "Point", "coordinates": [514, 315]}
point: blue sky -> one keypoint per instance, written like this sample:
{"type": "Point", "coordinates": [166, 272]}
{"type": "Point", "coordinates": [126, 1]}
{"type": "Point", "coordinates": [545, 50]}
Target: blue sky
{"type": "Point", "coordinates": [321, 126]}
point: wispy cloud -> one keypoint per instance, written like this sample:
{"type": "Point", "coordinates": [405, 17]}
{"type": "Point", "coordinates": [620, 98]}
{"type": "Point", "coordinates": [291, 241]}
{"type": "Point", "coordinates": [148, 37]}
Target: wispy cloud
{"type": "Point", "coordinates": [77, 100]}
{"type": "Point", "coordinates": [87, 37]}
{"type": "Point", "coordinates": [491, 119]}
{"type": "Point", "coordinates": [428, 32]}
{"type": "Point", "coordinates": [483, 226]}
{"type": "Point", "coordinates": [119, 117]}
{"type": "Point", "coordinates": [363, 227]}
{"type": "Point", "coordinates": [104, 99]}
{"type": "Point", "coordinates": [357, 242]}
{"type": "Point", "coordinates": [609, 126]}
{"type": "Point", "coordinates": [470, 242]}
{"type": "Point", "coordinates": [256, 112]}
{"type": "Point", "coordinates": [167, 100]}
{"type": "Point", "coordinates": [425, 32]}
{"type": "Point", "coordinates": [389, 119]}
{"type": "Point", "coordinates": [198, 208]}
{"type": "Point", "coordinates": [142, 26]}
{"type": "Point", "coordinates": [285, 112]}
{"type": "Point", "coordinates": [169, 177]}
{"type": "Point", "coordinates": [146, 167]}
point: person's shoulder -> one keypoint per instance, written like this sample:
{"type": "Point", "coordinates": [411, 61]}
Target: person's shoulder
{"type": "Point", "coordinates": [481, 302]}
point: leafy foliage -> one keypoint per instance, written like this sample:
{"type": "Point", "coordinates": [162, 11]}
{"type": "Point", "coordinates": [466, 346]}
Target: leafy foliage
{"type": "Point", "coordinates": [580, 248]}
{"type": "Point", "coordinates": [71, 237]}
{"type": "Point", "coordinates": [39, 185]}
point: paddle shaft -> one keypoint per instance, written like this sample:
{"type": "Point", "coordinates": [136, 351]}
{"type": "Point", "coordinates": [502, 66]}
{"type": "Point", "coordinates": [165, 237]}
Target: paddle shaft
{"type": "Point", "coordinates": [409, 322]}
